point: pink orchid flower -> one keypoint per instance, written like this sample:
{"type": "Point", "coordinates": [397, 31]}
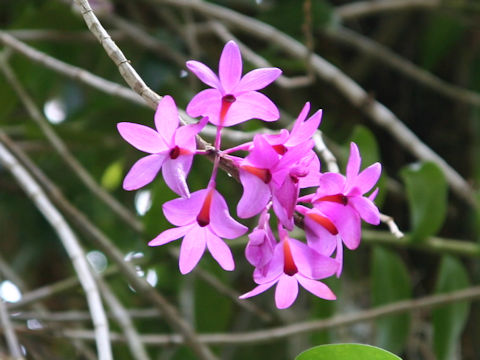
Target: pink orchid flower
{"type": "Point", "coordinates": [171, 149]}
{"type": "Point", "coordinates": [293, 262]}
{"type": "Point", "coordinates": [202, 220]}
{"type": "Point", "coordinates": [232, 98]}
{"type": "Point", "coordinates": [265, 173]}
{"type": "Point", "coordinates": [341, 198]}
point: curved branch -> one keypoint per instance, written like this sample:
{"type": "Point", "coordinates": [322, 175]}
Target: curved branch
{"type": "Point", "coordinates": [70, 243]}
{"type": "Point", "coordinates": [364, 8]}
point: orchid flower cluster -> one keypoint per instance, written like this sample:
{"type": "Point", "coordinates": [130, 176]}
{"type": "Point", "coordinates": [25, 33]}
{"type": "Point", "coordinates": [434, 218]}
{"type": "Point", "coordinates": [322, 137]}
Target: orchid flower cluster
{"type": "Point", "coordinates": [273, 173]}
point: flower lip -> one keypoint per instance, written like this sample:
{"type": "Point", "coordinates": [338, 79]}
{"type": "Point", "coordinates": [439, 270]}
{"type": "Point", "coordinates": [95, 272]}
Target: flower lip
{"type": "Point", "coordinates": [289, 266]}
{"type": "Point", "coordinates": [338, 198]}
{"type": "Point", "coordinates": [174, 153]}
{"type": "Point", "coordinates": [263, 174]}
{"type": "Point", "coordinates": [203, 217]}
{"type": "Point", "coordinates": [323, 221]}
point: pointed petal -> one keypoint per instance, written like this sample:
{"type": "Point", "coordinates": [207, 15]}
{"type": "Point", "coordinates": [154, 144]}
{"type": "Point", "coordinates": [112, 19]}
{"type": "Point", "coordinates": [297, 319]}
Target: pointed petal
{"type": "Point", "coordinates": [204, 73]}
{"type": "Point", "coordinates": [251, 105]}
{"type": "Point", "coordinates": [182, 211]}
{"type": "Point", "coordinates": [317, 288]}
{"type": "Point", "coordinates": [230, 67]}
{"type": "Point", "coordinates": [330, 184]}
{"type": "Point", "coordinates": [257, 79]}
{"type": "Point", "coordinates": [367, 179]}
{"type": "Point", "coordinates": [313, 176]}
{"type": "Point", "coordinates": [286, 291]}
{"type": "Point", "coordinates": [192, 249]}
{"type": "Point", "coordinates": [206, 103]}
{"type": "Point", "coordinates": [220, 252]}
{"type": "Point", "coordinates": [366, 209]}
{"type": "Point", "coordinates": [262, 155]}
{"type": "Point", "coordinates": [220, 220]}
{"type": "Point", "coordinates": [354, 161]}
{"type": "Point", "coordinates": [256, 195]}
{"type": "Point", "coordinates": [143, 171]}
{"type": "Point", "coordinates": [304, 130]}
{"type": "Point", "coordinates": [258, 290]}
{"type": "Point", "coordinates": [175, 173]}
{"type": "Point", "coordinates": [310, 263]}
{"type": "Point", "coordinates": [347, 221]}
{"type": "Point", "coordinates": [169, 235]}
{"type": "Point", "coordinates": [166, 119]}
{"type": "Point", "coordinates": [185, 135]}
{"type": "Point", "coordinates": [142, 137]}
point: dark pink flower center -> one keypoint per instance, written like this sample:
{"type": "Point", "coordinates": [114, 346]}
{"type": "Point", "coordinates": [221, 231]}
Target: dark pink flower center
{"type": "Point", "coordinates": [203, 217]}
{"type": "Point", "coordinates": [339, 198]}
{"type": "Point", "coordinates": [280, 149]}
{"type": "Point", "coordinates": [289, 266]}
{"type": "Point", "coordinates": [324, 221]}
{"type": "Point", "coordinates": [227, 101]}
{"type": "Point", "coordinates": [263, 174]}
{"type": "Point", "coordinates": [175, 152]}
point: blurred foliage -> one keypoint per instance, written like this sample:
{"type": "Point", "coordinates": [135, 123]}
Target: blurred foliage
{"type": "Point", "coordinates": [442, 40]}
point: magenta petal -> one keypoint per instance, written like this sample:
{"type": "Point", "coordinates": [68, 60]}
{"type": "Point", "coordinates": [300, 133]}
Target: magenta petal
{"type": "Point", "coordinates": [305, 130]}
{"type": "Point", "coordinates": [313, 176]}
{"type": "Point", "coordinates": [230, 67]}
{"type": "Point", "coordinates": [354, 161]}
{"type": "Point", "coordinates": [185, 135]}
{"type": "Point", "coordinates": [192, 249]}
{"type": "Point", "coordinates": [319, 238]}
{"type": "Point", "coordinates": [204, 73]}
{"type": "Point", "coordinates": [206, 103]}
{"type": "Point", "coordinates": [310, 263]}
{"type": "Point", "coordinates": [330, 184]}
{"type": "Point", "coordinates": [251, 105]}
{"type": "Point", "coordinates": [317, 288]}
{"type": "Point", "coordinates": [143, 171]}
{"type": "Point", "coordinates": [220, 220]}
{"type": "Point", "coordinates": [257, 79]}
{"type": "Point", "coordinates": [286, 291]}
{"type": "Point", "coordinates": [182, 211]}
{"type": "Point", "coordinates": [367, 179]}
{"type": "Point", "coordinates": [220, 252]}
{"type": "Point", "coordinates": [366, 209]}
{"type": "Point", "coordinates": [259, 249]}
{"type": "Point", "coordinates": [175, 173]}
{"type": "Point", "coordinates": [262, 155]}
{"type": "Point", "coordinates": [347, 221]}
{"type": "Point", "coordinates": [166, 119]}
{"type": "Point", "coordinates": [142, 137]}
{"type": "Point", "coordinates": [258, 290]}
{"type": "Point", "coordinates": [169, 235]}
{"type": "Point", "coordinates": [273, 270]}
{"type": "Point", "coordinates": [256, 195]}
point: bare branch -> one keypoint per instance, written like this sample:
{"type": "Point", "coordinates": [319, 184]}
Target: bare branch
{"type": "Point", "coordinates": [70, 243]}
{"type": "Point", "coordinates": [10, 335]}
{"type": "Point", "coordinates": [402, 65]}
{"type": "Point", "coordinates": [57, 143]}
{"type": "Point", "coordinates": [364, 8]}
{"type": "Point", "coordinates": [426, 303]}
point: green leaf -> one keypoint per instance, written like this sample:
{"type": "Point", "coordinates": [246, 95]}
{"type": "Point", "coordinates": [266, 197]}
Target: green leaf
{"type": "Point", "coordinates": [391, 282]}
{"type": "Point", "coordinates": [427, 198]}
{"type": "Point", "coordinates": [112, 176]}
{"type": "Point", "coordinates": [346, 352]}
{"type": "Point", "coordinates": [449, 320]}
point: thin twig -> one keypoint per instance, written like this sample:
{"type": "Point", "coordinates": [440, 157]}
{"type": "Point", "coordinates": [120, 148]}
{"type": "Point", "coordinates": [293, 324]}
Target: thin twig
{"type": "Point", "coordinates": [57, 143]}
{"type": "Point", "coordinates": [113, 51]}
{"type": "Point", "coordinates": [364, 8]}
{"type": "Point", "coordinates": [402, 65]}
{"type": "Point", "coordinates": [70, 243]}
{"type": "Point", "coordinates": [10, 335]}
{"type": "Point", "coordinates": [122, 317]}
{"type": "Point", "coordinates": [426, 303]}
{"type": "Point", "coordinates": [73, 72]}
{"type": "Point", "coordinates": [59, 35]}
{"type": "Point", "coordinates": [390, 222]}
{"type": "Point", "coordinates": [106, 245]}
{"type": "Point", "coordinates": [376, 111]}
{"type": "Point", "coordinates": [325, 153]}
{"type": "Point", "coordinates": [77, 316]}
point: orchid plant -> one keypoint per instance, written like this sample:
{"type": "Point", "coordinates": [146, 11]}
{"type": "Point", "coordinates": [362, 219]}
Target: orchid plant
{"type": "Point", "coordinates": [275, 169]}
